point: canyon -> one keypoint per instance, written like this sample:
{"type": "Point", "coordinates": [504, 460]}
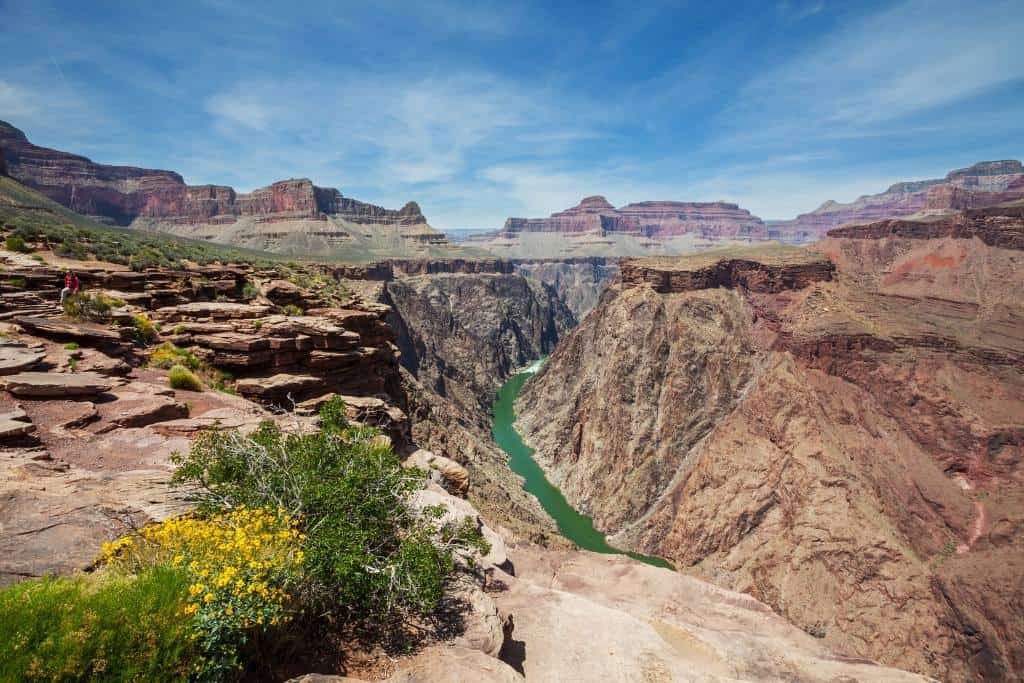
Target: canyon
{"type": "Point", "coordinates": [834, 431]}
{"type": "Point", "coordinates": [415, 348]}
{"type": "Point", "coordinates": [293, 217]}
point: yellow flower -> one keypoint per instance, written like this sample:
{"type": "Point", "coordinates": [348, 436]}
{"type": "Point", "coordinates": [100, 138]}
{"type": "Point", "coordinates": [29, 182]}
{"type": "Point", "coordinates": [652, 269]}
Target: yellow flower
{"type": "Point", "coordinates": [208, 597]}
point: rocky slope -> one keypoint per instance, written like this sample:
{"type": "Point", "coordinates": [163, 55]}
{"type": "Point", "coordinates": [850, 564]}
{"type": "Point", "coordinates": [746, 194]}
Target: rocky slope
{"type": "Point", "coordinates": [596, 228]}
{"type": "Point", "coordinates": [843, 444]}
{"type": "Point", "coordinates": [290, 216]}
{"type": "Point", "coordinates": [987, 183]}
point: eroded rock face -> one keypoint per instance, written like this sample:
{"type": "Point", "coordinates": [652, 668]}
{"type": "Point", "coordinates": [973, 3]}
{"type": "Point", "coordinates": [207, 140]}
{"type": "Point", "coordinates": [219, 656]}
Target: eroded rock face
{"type": "Point", "coordinates": [844, 446]}
{"type": "Point", "coordinates": [984, 184]}
{"type": "Point", "coordinates": [578, 281]}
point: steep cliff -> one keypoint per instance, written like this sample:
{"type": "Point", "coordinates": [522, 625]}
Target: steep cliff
{"type": "Point", "coordinates": [577, 281]}
{"type": "Point", "coordinates": [290, 216]}
{"type": "Point", "coordinates": [845, 444]}
{"type": "Point", "coordinates": [984, 184]}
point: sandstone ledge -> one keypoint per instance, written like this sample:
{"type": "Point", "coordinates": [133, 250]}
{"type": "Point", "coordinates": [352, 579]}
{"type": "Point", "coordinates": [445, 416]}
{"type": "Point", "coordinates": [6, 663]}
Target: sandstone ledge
{"type": "Point", "coordinates": [1001, 227]}
{"type": "Point", "coordinates": [767, 270]}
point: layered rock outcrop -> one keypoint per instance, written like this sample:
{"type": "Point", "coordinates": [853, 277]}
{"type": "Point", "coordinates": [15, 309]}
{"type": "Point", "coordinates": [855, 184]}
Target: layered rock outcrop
{"type": "Point", "coordinates": [655, 219]}
{"type": "Point", "coordinates": [844, 445]}
{"type": "Point", "coordinates": [293, 216]}
{"type": "Point", "coordinates": [984, 184]}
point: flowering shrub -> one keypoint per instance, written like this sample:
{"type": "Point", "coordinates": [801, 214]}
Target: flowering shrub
{"type": "Point", "coordinates": [242, 567]}
{"type": "Point", "coordinates": [370, 556]}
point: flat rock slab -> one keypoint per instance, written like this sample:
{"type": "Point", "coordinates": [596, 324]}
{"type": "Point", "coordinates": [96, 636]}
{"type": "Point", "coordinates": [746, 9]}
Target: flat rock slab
{"type": "Point", "coordinates": [56, 384]}
{"type": "Point", "coordinates": [68, 329]}
{"type": "Point", "coordinates": [15, 426]}
{"type": "Point", "coordinates": [14, 359]}
{"type": "Point", "coordinates": [213, 310]}
{"type": "Point", "coordinates": [134, 409]}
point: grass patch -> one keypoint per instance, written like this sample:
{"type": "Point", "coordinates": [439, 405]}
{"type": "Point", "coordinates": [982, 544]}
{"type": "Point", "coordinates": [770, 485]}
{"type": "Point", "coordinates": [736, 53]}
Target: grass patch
{"type": "Point", "coordinates": [101, 627]}
{"type": "Point", "coordinates": [18, 282]}
{"type": "Point", "coordinates": [180, 377]}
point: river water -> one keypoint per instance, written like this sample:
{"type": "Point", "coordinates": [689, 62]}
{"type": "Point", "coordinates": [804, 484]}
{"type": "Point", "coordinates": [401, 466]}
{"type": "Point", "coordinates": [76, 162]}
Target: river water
{"type": "Point", "coordinates": [576, 527]}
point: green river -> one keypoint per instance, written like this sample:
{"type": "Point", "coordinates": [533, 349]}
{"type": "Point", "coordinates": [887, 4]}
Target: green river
{"type": "Point", "coordinates": [576, 527]}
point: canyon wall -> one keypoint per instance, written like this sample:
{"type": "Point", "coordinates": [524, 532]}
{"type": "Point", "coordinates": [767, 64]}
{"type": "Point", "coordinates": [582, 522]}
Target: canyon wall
{"type": "Point", "coordinates": [577, 281]}
{"type": "Point", "coordinates": [290, 216]}
{"type": "Point", "coordinates": [987, 183]}
{"type": "Point", "coordinates": [840, 435]}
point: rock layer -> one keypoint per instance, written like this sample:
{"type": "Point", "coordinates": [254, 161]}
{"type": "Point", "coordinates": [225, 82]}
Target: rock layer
{"type": "Point", "coordinates": [293, 216]}
{"type": "Point", "coordinates": [984, 184]}
{"type": "Point", "coordinates": [844, 446]}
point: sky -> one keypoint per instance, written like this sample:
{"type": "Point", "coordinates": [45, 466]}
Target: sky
{"type": "Point", "coordinates": [481, 110]}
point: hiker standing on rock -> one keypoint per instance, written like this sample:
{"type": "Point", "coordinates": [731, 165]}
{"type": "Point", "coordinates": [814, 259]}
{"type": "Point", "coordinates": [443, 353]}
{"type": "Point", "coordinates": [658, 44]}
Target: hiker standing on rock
{"type": "Point", "coordinates": [71, 286]}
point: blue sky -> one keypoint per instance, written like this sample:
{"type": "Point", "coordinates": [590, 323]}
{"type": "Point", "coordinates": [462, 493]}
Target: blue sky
{"type": "Point", "coordinates": [480, 111]}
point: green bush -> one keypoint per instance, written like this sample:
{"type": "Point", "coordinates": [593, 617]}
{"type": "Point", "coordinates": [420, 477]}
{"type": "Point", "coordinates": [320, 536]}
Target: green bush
{"type": "Point", "coordinates": [145, 331]}
{"type": "Point", "coordinates": [18, 282]}
{"type": "Point", "coordinates": [180, 377]}
{"type": "Point", "coordinates": [370, 557]}
{"type": "Point", "coordinates": [292, 309]}
{"type": "Point", "coordinates": [16, 243]}
{"type": "Point", "coordinates": [71, 346]}
{"type": "Point", "coordinates": [250, 291]}
{"type": "Point", "coordinates": [94, 307]}
{"type": "Point", "coordinates": [103, 627]}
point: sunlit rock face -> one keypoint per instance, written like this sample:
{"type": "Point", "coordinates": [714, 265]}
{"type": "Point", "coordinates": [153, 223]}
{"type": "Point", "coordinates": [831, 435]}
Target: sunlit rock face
{"type": "Point", "coordinates": [838, 433]}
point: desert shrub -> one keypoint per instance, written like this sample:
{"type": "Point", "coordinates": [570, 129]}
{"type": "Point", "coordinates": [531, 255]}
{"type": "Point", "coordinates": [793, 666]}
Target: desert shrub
{"type": "Point", "coordinates": [94, 307]}
{"type": "Point", "coordinates": [71, 346]}
{"type": "Point", "coordinates": [167, 355]}
{"type": "Point", "coordinates": [250, 291]}
{"type": "Point", "coordinates": [145, 332]}
{"type": "Point", "coordinates": [179, 329]}
{"type": "Point", "coordinates": [72, 248]}
{"type": "Point", "coordinates": [292, 309]}
{"type": "Point", "coordinates": [370, 556]}
{"type": "Point", "coordinates": [242, 566]}
{"type": "Point", "coordinates": [221, 381]}
{"type": "Point", "coordinates": [18, 282]}
{"type": "Point", "coordinates": [102, 627]}
{"type": "Point", "coordinates": [16, 243]}
{"type": "Point", "coordinates": [180, 377]}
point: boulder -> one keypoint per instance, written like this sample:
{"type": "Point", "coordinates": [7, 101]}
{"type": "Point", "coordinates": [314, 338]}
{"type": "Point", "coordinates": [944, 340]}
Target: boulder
{"type": "Point", "coordinates": [452, 475]}
{"type": "Point", "coordinates": [278, 386]}
{"type": "Point", "coordinates": [138, 409]}
{"type": "Point", "coordinates": [56, 385]}
{"type": "Point", "coordinates": [483, 627]}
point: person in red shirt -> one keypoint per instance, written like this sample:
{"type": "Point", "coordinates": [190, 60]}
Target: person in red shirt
{"type": "Point", "coordinates": [71, 286]}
